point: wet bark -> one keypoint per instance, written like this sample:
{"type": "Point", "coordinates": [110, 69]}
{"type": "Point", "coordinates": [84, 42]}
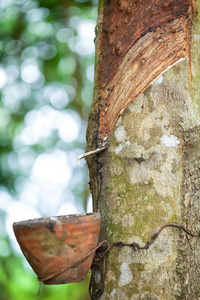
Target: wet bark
{"type": "Point", "coordinates": [149, 175]}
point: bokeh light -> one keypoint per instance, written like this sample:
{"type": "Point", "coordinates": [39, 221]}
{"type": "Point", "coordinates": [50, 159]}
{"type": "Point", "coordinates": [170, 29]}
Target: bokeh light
{"type": "Point", "coordinates": [46, 90]}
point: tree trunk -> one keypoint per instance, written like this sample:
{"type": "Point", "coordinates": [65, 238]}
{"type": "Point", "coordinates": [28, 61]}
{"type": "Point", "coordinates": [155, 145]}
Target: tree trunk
{"type": "Point", "coordinates": [149, 175]}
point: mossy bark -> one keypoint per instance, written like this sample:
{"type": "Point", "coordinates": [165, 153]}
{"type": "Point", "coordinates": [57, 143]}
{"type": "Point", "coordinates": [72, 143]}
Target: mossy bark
{"type": "Point", "coordinates": [150, 176]}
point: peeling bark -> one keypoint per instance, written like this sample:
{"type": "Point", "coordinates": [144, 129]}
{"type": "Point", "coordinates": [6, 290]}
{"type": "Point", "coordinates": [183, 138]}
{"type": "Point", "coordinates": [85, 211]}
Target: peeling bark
{"type": "Point", "coordinates": [149, 175]}
{"type": "Point", "coordinates": [137, 41]}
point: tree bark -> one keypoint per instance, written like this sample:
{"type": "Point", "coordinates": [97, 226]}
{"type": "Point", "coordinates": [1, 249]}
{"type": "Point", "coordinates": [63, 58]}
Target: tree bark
{"type": "Point", "coordinates": [149, 175]}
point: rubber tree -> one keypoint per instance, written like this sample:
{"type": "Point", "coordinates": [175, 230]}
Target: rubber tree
{"type": "Point", "coordinates": [146, 118]}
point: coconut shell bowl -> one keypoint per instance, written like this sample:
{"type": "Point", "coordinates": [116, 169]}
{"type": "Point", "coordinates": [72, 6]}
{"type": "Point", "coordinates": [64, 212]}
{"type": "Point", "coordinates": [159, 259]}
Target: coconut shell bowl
{"type": "Point", "coordinates": [59, 249]}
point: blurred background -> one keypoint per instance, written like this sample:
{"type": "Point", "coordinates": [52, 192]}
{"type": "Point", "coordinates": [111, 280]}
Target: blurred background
{"type": "Point", "coordinates": [46, 89]}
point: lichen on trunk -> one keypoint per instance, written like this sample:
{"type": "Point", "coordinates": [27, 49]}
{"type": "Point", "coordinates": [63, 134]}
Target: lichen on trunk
{"type": "Point", "coordinates": [149, 176]}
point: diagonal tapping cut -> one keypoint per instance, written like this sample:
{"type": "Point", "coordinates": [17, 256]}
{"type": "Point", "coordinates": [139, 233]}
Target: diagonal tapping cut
{"type": "Point", "coordinates": [141, 53]}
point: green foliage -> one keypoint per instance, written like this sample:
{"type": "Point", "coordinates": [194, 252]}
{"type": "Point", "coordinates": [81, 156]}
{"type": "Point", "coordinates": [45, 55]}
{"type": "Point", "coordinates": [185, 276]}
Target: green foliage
{"type": "Point", "coordinates": [46, 75]}
{"type": "Point", "coordinates": [18, 282]}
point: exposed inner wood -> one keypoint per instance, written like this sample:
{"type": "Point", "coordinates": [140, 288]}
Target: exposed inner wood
{"type": "Point", "coordinates": [138, 42]}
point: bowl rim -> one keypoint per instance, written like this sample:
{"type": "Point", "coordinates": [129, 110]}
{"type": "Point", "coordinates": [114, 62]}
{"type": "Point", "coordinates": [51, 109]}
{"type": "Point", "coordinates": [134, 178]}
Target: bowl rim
{"type": "Point", "coordinates": [43, 220]}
